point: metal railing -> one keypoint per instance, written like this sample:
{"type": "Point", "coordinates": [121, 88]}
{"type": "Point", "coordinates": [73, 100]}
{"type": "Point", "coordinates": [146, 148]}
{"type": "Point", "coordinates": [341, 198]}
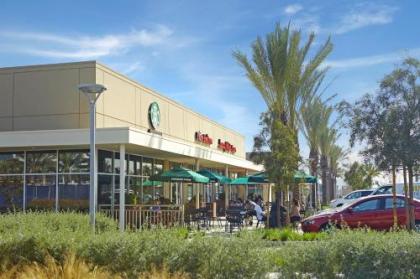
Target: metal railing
{"type": "Point", "coordinates": [146, 216]}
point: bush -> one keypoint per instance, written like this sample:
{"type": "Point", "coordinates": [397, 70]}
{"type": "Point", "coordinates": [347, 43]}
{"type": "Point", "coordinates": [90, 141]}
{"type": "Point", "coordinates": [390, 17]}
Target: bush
{"type": "Point", "coordinates": [29, 238]}
{"type": "Point", "coordinates": [354, 254]}
{"type": "Point", "coordinates": [47, 222]}
{"type": "Point", "coordinates": [289, 234]}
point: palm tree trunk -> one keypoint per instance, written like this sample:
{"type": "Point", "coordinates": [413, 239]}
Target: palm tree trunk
{"type": "Point", "coordinates": [324, 170]}
{"type": "Point", "coordinates": [332, 185]}
{"type": "Point", "coordinates": [314, 157]}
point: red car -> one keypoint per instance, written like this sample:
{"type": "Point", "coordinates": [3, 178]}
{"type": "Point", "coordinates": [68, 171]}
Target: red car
{"type": "Point", "coordinates": [371, 211]}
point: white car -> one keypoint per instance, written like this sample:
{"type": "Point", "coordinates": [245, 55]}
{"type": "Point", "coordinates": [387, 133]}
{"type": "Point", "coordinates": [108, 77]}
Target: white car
{"type": "Point", "coordinates": [350, 197]}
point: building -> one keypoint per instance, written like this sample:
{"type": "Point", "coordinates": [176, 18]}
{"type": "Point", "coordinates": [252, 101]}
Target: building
{"type": "Point", "coordinates": [44, 151]}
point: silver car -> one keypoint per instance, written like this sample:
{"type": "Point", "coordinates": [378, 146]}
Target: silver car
{"type": "Point", "coordinates": [350, 197]}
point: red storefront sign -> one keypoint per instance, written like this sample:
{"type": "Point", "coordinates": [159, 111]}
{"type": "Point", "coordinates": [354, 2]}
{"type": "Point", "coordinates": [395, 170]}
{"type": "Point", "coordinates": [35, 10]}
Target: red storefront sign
{"type": "Point", "coordinates": [226, 146]}
{"type": "Point", "coordinates": [203, 138]}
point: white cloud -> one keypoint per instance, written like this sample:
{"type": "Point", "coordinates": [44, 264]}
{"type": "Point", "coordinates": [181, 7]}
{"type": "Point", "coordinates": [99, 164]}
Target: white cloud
{"type": "Point", "coordinates": [365, 15]}
{"type": "Point", "coordinates": [82, 47]}
{"type": "Point", "coordinates": [292, 9]}
{"type": "Point", "coordinates": [308, 23]}
{"type": "Point", "coordinates": [365, 61]}
{"type": "Point", "coordinates": [358, 16]}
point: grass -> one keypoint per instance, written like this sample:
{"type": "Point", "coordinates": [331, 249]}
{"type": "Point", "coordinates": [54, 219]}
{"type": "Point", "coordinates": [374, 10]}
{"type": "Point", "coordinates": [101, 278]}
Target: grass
{"type": "Point", "coordinates": [74, 268]}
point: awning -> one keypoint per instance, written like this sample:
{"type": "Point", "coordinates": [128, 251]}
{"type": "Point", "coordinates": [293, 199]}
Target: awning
{"type": "Point", "coordinates": [149, 183]}
{"type": "Point", "coordinates": [299, 177]}
{"type": "Point", "coordinates": [302, 177]}
{"type": "Point", "coordinates": [214, 177]}
{"type": "Point", "coordinates": [180, 174]}
{"type": "Point", "coordinates": [244, 181]}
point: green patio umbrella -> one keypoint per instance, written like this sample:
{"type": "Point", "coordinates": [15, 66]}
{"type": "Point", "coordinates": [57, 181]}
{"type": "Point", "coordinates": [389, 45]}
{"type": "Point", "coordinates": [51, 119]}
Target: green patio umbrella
{"type": "Point", "coordinates": [180, 174]}
{"type": "Point", "coordinates": [149, 183]}
{"type": "Point", "coordinates": [244, 180]}
{"type": "Point", "coordinates": [300, 176]}
{"type": "Point", "coordinates": [214, 177]}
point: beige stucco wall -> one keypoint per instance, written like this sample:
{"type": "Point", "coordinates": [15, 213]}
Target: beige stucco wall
{"type": "Point", "coordinates": [44, 98]}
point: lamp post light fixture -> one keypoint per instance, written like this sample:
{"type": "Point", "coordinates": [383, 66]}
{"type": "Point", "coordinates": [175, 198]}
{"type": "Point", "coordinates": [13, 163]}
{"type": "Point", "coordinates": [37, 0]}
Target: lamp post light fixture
{"type": "Point", "coordinates": [92, 92]}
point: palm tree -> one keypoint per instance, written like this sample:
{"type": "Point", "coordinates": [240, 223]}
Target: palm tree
{"type": "Point", "coordinates": [282, 70]}
{"type": "Point", "coordinates": [370, 171]}
{"type": "Point", "coordinates": [310, 125]}
{"type": "Point", "coordinates": [327, 138]}
{"type": "Point", "coordinates": [337, 154]}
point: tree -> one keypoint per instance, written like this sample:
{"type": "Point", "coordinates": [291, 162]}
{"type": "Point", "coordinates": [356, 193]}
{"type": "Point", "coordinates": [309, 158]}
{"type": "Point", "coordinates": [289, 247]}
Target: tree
{"type": "Point", "coordinates": [389, 123]}
{"type": "Point", "coordinates": [275, 148]}
{"type": "Point", "coordinates": [354, 177]}
{"type": "Point", "coordinates": [370, 172]}
{"type": "Point", "coordinates": [328, 136]}
{"type": "Point", "coordinates": [282, 72]}
{"type": "Point", "coordinates": [337, 154]}
{"type": "Point", "coordinates": [401, 95]}
{"type": "Point", "coordinates": [315, 118]}
{"type": "Point", "coordinates": [360, 176]}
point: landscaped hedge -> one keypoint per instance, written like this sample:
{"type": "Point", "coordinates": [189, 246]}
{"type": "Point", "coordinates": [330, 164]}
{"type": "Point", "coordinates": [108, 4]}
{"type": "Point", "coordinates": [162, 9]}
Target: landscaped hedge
{"type": "Point", "coordinates": [352, 254]}
{"type": "Point", "coordinates": [26, 238]}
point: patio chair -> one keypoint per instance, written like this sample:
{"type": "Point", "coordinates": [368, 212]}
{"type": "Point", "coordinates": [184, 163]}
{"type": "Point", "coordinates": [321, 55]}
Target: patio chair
{"type": "Point", "coordinates": [234, 219]}
{"type": "Point", "coordinates": [201, 218]}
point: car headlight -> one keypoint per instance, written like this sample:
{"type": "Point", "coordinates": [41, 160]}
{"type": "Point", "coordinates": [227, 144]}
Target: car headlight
{"type": "Point", "coordinates": [309, 222]}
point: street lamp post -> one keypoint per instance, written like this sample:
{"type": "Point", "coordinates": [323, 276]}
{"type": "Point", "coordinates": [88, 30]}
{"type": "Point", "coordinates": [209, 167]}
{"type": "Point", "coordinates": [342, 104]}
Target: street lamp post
{"type": "Point", "coordinates": [92, 92]}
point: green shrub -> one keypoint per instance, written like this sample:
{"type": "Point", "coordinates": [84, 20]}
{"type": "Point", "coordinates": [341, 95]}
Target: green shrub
{"type": "Point", "coordinates": [354, 254]}
{"type": "Point", "coordinates": [27, 238]}
{"type": "Point", "coordinates": [36, 222]}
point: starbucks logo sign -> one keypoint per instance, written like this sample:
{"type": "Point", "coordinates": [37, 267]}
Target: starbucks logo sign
{"type": "Point", "coordinates": [154, 115]}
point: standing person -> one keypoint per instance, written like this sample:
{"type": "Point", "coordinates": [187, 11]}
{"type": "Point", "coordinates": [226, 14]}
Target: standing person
{"type": "Point", "coordinates": [295, 212]}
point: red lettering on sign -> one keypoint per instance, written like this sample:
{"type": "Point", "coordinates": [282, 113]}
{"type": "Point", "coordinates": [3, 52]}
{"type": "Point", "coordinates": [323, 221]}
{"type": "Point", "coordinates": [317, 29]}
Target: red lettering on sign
{"type": "Point", "coordinates": [226, 146]}
{"type": "Point", "coordinates": [203, 138]}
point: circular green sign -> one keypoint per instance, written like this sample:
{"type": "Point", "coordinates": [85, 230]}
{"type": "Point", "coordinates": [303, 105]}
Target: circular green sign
{"type": "Point", "coordinates": [154, 115]}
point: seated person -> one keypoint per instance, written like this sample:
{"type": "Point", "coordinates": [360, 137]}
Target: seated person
{"type": "Point", "coordinates": [259, 213]}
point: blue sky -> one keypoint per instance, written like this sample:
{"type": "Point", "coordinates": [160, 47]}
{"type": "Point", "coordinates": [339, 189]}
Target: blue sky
{"type": "Point", "coordinates": [183, 49]}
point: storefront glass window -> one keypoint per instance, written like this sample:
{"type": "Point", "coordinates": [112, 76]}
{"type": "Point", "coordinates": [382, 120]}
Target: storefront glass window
{"type": "Point", "coordinates": [147, 193]}
{"type": "Point", "coordinates": [41, 162]}
{"type": "Point", "coordinates": [73, 161]}
{"type": "Point", "coordinates": [134, 165]}
{"type": "Point", "coordinates": [11, 193]}
{"type": "Point", "coordinates": [11, 163]}
{"type": "Point", "coordinates": [134, 190]}
{"type": "Point", "coordinates": [147, 166]}
{"type": "Point", "coordinates": [73, 192]}
{"type": "Point", "coordinates": [158, 167]}
{"type": "Point", "coordinates": [105, 161]}
{"type": "Point", "coordinates": [40, 192]}
{"type": "Point", "coordinates": [105, 189]}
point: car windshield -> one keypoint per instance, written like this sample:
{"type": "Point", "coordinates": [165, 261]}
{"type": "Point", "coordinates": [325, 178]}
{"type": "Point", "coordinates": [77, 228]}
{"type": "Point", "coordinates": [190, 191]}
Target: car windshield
{"type": "Point", "coordinates": [366, 193]}
{"type": "Point", "coordinates": [383, 190]}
